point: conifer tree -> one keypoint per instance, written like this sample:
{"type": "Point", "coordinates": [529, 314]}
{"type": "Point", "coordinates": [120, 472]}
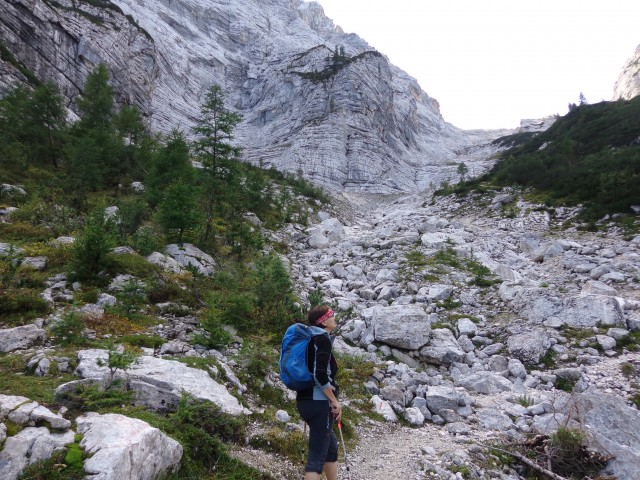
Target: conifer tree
{"type": "Point", "coordinates": [214, 130]}
{"type": "Point", "coordinates": [179, 210]}
{"type": "Point", "coordinates": [94, 144]}
{"type": "Point", "coordinates": [169, 164]}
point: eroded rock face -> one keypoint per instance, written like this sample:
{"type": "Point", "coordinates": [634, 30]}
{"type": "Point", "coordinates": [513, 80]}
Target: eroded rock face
{"type": "Point", "coordinates": [628, 84]}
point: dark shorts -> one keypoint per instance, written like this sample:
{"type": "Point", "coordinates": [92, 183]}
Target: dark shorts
{"type": "Point", "coordinates": [323, 444]}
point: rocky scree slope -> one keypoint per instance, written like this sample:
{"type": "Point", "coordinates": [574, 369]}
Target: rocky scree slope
{"type": "Point", "coordinates": [468, 360]}
{"type": "Point", "coordinates": [464, 355]}
{"type": "Point", "coordinates": [314, 99]}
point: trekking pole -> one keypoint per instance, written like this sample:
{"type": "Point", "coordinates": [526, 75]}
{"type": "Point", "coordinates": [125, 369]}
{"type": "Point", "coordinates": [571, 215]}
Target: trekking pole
{"type": "Point", "coordinates": [344, 449]}
{"type": "Point", "coordinates": [304, 442]}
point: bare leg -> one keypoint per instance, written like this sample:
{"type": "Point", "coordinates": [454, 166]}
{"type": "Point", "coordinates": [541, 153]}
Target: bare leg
{"type": "Point", "coordinates": [331, 470]}
{"type": "Point", "coordinates": [312, 476]}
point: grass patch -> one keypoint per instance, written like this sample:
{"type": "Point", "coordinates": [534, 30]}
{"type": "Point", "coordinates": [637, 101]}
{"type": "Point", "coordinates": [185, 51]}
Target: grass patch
{"type": "Point", "coordinates": [15, 380]}
{"type": "Point", "coordinates": [352, 374]}
{"type": "Point", "coordinates": [565, 385]}
{"type": "Point", "coordinates": [292, 445]}
{"type": "Point", "coordinates": [631, 342]}
{"type": "Point", "coordinates": [62, 465]}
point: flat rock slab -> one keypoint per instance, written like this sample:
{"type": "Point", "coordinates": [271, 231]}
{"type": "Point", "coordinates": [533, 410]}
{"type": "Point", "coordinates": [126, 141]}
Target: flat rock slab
{"type": "Point", "coordinates": [22, 337]}
{"type": "Point", "coordinates": [159, 383]}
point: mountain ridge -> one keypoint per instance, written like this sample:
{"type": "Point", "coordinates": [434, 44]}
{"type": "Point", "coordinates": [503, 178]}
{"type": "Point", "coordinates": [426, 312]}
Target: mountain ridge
{"type": "Point", "coordinates": [367, 126]}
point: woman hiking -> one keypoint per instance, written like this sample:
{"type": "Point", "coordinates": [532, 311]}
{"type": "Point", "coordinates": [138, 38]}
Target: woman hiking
{"type": "Point", "coordinates": [318, 405]}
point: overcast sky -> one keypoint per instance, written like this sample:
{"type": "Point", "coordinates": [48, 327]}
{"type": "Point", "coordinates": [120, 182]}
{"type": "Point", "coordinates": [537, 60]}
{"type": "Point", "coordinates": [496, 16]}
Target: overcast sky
{"type": "Point", "coordinates": [491, 63]}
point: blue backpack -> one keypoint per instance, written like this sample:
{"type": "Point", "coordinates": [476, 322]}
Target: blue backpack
{"type": "Point", "coordinates": [293, 357]}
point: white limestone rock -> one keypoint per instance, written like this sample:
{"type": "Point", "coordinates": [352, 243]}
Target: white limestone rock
{"type": "Point", "coordinates": [595, 287]}
{"type": "Point", "coordinates": [414, 416]}
{"type": "Point", "coordinates": [18, 338]}
{"type": "Point", "coordinates": [187, 255]}
{"type": "Point", "coordinates": [159, 383]}
{"type": "Point", "coordinates": [442, 398]}
{"type": "Point", "coordinates": [628, 84]}
{"type": "Point", "coordinates": [485, 383]}
{"type": "Point", "coordinates": [28, 446]}
{"type": "Point", "coordinates": [120, 447]}
{"type": "Point", "coordinates": [402, 326]}
{"type": "Point", "coordinates": [383, 408]}
{"type": "Point", "coordinates": [165, 262]}
{"type": "Point", "coordinates": [35, 263]}
{"type": "Point", "coordinates": [529, 347]}
{"type": "Point", "coordinates": [443, 348]}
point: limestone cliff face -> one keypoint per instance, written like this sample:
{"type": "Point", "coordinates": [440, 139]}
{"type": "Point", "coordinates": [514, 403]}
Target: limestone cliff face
{"type": "Point", "coordinates": [628, 84]}
{"type": "Point", "coordinates": [63, 41]}
{"type": "Point", "coordinates": [313, 99]}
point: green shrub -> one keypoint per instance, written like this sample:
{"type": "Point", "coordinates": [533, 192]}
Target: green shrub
{"type": "Point", "coordinates": [628, 369]}
{"type": "Point", "coordinates": [19, 306]}
{"type": "Point", "coordinates": [142, 340]}
{"type": "Point", "coordinates": [135, 265]}
{"type": "Point", "coordinates": [147, 240]}
{"type": "Point", "coordinates": [566, 447]}
{"type": "Point", "coordinates": [565, 385]}
{"type": "Point", "coordinates": [20, 231]}
{"type": "Point", "coordinates": [525, 400]}
{"type": "Point", "coordinates": [68, 330]}
{"type": "Point", "coordinates": [316, 297]}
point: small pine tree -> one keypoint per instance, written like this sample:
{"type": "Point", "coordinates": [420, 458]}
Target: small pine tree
{"type": "Point", "coordinates": [91, 249]}
{"type": "Point", "coordinates": [462, 170]}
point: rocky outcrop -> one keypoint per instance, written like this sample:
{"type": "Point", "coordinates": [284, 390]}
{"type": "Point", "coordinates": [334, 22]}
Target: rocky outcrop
{"type": "Point", "coordinates": [158, 383]}
{"type": "Point", "coordinates": [628, 84]}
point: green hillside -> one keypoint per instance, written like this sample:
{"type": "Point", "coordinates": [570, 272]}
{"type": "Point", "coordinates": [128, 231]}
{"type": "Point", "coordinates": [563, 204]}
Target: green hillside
{"type": "Point", "coordinates": [591, 156]}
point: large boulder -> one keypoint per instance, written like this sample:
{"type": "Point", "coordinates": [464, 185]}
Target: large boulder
{"type": "Point", "coordinates": [22, 337]}
{"type": "Point", "coordinates": [188, 255]}
{"type": "Point", "coordinates": [612, 427]}
{"type": "Point", "coordinates": [402, 326]}
{"type": "Point", "coordinates": [120, 447]}
{"type": "Point", "coordinates": [443, 348]}
{"type": "Point", "coordinates": [529, 347]}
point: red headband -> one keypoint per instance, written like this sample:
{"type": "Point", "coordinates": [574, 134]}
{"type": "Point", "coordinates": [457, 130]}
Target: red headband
{"type": "Point", "coordinates": [324, 317]}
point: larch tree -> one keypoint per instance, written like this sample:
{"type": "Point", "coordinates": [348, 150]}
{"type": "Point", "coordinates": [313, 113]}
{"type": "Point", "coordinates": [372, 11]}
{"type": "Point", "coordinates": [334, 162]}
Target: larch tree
{"type": "Point", "coordinates": [214, 147]}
